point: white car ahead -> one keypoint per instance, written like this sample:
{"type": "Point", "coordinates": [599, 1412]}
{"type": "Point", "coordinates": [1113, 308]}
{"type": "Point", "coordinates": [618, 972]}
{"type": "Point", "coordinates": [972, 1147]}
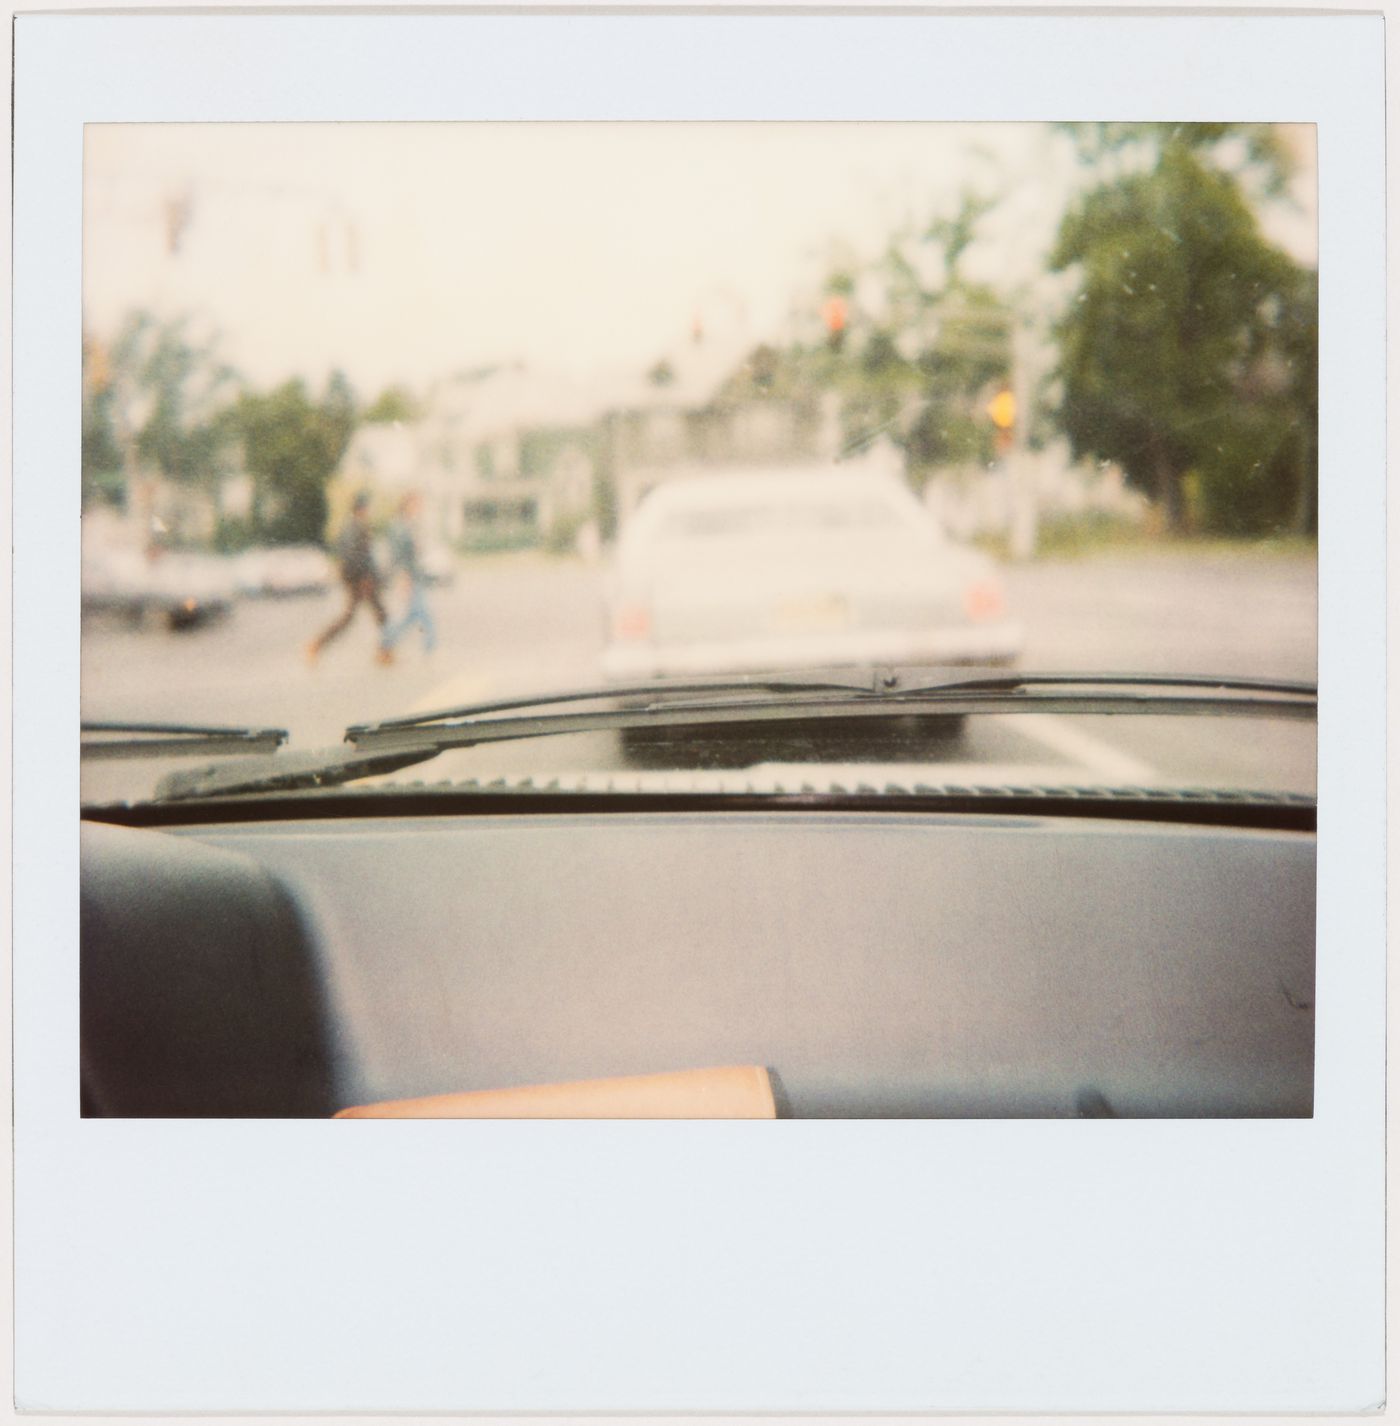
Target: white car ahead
{"type": "Point", "coordinates": [762, 571]}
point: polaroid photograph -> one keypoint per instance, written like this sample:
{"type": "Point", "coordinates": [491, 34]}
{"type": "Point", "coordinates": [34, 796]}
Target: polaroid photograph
{"type": "Point", "coordinates": [365, 462]}
{"type": "Point", "coordinates": [582, 583]}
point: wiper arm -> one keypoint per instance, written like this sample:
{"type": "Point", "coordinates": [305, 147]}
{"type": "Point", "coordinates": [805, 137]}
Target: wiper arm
{"type": "Point", "coordinates": [878, 694]}
{"type": "Point", "coordinates": [288, 772]}
{"type": "Point", "coordinates": [155, 740]}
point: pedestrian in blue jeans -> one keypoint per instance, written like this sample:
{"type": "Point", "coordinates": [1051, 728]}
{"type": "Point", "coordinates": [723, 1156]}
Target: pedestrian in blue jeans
{"type": "Point", "coordinates": [404, 559]}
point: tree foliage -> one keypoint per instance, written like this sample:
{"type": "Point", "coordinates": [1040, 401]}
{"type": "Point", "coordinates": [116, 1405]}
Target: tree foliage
{"type": "Point", "coordinates": [1188, 351]}
{"type": "Point", "coordinates": [161, 395]}
{"type": "Point", "coordinates": [394, 403]}
{"type": "Point", "coordinates": [1254, 154]}
{"type": "Point", "coordinates": [923, 384]}
{"type": "Point", "coordinates": [921, 349]}
{"type": "Point", "coordinates": [161, 400]}
{"type": "Point", "coordinates": [102, 461]}
{"type": "Point", "coordinates": [292, 445]}
{"type": "Point", "coordinates": [182, 387]}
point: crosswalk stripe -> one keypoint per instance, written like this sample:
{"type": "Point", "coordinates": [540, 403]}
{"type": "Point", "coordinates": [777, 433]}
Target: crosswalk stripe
{"type": "Point", "coordinates": [1057, 735]}
{"type": "Point", "coordinates": [464, 688]}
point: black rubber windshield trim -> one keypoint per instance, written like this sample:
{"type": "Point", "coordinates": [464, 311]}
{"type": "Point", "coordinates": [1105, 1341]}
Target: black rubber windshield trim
{"type": "Point", "coordinates": [1264, 813]}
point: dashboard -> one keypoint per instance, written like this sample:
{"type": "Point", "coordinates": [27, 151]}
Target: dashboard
{"type": "Point", "coordinates": [907, 964]}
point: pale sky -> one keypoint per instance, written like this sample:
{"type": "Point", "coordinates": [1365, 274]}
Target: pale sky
{"type": "Point", "coordinates": [402, 252]}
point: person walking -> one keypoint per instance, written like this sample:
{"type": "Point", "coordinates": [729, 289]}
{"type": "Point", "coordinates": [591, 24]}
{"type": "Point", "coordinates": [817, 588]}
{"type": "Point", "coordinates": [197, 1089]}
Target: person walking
{"type": "Point", "coordinates": [404, 559]}
{"type": "Point", "coordinates": [357, 573]}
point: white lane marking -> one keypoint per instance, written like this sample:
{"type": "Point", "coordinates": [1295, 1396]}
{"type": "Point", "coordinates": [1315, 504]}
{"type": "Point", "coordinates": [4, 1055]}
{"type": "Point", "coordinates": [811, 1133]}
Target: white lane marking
{"type": "Point", "coordinates": [465, 688]}
{"type": "Point", "coordinates": [1054, 733]}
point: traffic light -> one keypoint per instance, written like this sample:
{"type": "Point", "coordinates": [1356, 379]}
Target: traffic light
{"type": "Point", "coordinates": [1002, 409]}
{"type": "Point", "coordinates": [834, 317]}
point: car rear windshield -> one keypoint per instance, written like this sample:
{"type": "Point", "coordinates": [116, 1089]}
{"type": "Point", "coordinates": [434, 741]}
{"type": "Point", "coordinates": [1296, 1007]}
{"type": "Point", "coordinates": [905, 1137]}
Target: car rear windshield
{"type": "Point", "coordinates": [778, 518]}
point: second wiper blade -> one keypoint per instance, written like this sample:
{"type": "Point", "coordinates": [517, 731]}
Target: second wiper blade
{"type": "Point", "coordinates": [146, 740]}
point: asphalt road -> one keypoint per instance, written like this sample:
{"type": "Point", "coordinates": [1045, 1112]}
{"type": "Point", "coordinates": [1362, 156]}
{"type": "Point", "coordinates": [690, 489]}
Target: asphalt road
{"type": "Point", "coordinates": [529, 624]}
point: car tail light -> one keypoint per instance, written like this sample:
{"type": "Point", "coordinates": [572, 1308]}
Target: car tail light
{"type": "Point", "coordinates": [983, 599]}
{"type": "Point", "coordinates": [633, 622]}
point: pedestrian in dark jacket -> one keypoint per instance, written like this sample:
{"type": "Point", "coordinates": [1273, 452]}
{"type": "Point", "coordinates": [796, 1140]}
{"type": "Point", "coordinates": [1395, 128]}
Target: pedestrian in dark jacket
{"type": "Point", "coordinates": [357, 573]}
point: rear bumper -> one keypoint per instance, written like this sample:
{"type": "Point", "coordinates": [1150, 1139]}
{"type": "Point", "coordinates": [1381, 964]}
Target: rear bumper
{"type": "Point", "coordinates": [977, 644]}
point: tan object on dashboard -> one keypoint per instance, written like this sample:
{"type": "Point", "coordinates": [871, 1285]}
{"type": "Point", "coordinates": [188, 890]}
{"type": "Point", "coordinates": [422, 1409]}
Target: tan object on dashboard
{"type": "Point", "coordinates": [732, 1092]}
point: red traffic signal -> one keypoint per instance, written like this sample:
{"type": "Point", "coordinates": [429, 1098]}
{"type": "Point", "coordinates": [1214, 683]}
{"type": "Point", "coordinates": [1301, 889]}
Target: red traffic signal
{"type": "Point", "coordinates": [834, 316]}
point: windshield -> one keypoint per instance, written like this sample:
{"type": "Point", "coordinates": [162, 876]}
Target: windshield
{"type": "Point", "coordinates": [799, 504]}
{"type": "Point", "coordinates": [380, 420]}
{"type": "Point", "coordinates": [794, 517]}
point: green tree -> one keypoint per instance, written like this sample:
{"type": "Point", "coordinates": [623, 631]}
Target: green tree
{"type": "Point", "coordinates": [918, 366]}
{"type": "Point", "coordinates": [292, 445]}
{"type": "Point", "coordinates": [968, 358]}
{"type": "Point", "coordinates": [103, 476]}
{"type": "Point", "coordinates": [1184, 349]}
{"type": "Point", "coordinates": [158, 395]}
{"type": "Point", "coordinates": [394, 403]}
{"type": "Point", "coordinates": [1254, 154]}
{"type": "Point", "coordinates": [1260, 476]}
{"type": "Point", "coordinates": [184, 387]}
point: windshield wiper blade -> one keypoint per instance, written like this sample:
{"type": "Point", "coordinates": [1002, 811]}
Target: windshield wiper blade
{"type": "Point", "coordinates": [155, 740]}
{"type": "Point", "coordinates": [906, 680]}
{"type": "Point", "coordinates": [886, 691]}
{"type": "Point", "coordinates": [885, 682]}
{"type": "Point", "coordinates": [845, 681]}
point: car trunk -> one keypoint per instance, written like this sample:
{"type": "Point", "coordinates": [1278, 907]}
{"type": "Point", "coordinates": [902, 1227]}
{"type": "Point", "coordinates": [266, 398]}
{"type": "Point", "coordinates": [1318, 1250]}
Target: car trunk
{"type": "Point", "coordinates": [777, 589]}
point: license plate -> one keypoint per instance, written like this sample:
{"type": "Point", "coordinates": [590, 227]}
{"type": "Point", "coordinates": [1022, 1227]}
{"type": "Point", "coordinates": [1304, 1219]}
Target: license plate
{"type": "Point", "coordinates": [815, 615]}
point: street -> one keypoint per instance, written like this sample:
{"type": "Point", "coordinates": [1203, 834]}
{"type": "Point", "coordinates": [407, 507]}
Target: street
{"type": "Point", "coordinates": [529, 623]}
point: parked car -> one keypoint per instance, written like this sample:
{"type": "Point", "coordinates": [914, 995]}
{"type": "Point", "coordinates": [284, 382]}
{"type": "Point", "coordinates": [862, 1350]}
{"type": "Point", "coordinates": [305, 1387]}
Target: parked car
{"type": "Point", "coordinates": [279, 570]}
{"type": "Point", "coordinates": [763, 570]}
{"type": "Point", "coordinates": [179, 588]}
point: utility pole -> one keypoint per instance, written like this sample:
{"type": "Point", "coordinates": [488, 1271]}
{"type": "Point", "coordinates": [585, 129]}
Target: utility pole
{"type": "Point", "coordinates": [1025, 514]}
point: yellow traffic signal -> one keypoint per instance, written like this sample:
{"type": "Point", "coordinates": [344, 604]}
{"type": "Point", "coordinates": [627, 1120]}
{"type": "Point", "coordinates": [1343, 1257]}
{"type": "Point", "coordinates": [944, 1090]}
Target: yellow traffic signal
{"type": "Point", "coordinates": [1002, 409]}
